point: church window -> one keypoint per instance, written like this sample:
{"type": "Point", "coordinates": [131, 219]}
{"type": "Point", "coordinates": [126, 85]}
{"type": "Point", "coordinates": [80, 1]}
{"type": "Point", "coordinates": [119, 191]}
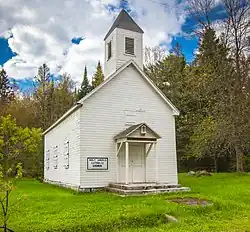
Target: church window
{"type": "Point", "coordinates": [109, 50]}
{"type": "Point", "coordinates": [129, 46]}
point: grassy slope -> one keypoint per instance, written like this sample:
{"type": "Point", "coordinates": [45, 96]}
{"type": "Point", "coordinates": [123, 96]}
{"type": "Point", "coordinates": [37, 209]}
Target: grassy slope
{"type": "Point", "coordinates": [50, 208]}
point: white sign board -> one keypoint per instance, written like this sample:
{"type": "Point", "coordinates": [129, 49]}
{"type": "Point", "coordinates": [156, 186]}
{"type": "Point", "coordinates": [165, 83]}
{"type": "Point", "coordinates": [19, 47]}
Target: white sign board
{"type": "Point", "coordinates": [97, 163]}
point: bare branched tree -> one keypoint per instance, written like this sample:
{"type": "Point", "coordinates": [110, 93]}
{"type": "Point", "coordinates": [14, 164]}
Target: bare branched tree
{"type": "Point", "coordinates": [154, 54]}
{"type": "Point", "coordinates": [201, 10]}
{"type": "Point", "coordinates": [234, 31]}
{"type": "Point", "coordinates": [237, 26]}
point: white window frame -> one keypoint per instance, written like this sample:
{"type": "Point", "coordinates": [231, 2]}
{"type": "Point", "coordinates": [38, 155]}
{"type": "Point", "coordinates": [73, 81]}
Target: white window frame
{"type": "Point", "coordinates": [130, 37]}
{"type": "Point", "coordinates": [66, 155]}
{"type": "Point", "coordinates": [130, 117]}
{"type": "Point", "coordinates": [110, 42]}
{"type": "Point", "coordinates": [55, 157]}
{"type": "Point", "coordinates": [47, 159]}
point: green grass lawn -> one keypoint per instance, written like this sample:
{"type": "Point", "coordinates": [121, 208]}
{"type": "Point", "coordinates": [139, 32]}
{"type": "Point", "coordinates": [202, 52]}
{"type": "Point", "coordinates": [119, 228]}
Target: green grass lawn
{"type": "Point", "coordinates": [50, 208]}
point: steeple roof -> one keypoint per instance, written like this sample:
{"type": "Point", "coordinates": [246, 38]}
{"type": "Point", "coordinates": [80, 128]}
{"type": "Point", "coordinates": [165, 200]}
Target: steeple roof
{"type": "Point", "coordinates": [124, 21]}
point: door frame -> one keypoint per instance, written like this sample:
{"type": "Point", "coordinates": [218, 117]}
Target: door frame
{"type": "Point", "coordinates": [132, 168]}
{"type": "Point", "coordinates": [122, 152]}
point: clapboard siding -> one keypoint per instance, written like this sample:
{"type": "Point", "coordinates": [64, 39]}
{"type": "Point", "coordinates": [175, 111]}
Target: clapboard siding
{"type": "Point", "coordinates": [103, 116]}
{"type": "Point", "coordinates": [67, 130]}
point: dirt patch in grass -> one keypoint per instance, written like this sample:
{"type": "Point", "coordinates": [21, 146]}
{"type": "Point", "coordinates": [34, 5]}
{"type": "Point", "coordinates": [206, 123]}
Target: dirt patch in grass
{"type": "Point", "coordinates": [192, 201]}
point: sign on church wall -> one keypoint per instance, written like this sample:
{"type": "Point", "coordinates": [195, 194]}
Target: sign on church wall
{"type": "Point", "coordinates": [97, 163]}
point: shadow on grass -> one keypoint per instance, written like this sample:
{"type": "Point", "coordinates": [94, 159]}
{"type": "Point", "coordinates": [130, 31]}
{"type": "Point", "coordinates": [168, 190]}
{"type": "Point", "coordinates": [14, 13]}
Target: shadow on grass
{"type": "Point", "coordinates": [141, 221]}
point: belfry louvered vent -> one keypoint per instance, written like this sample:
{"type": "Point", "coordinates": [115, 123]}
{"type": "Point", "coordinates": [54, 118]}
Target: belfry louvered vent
{"type": "Point", "coordinates": [129, 46]}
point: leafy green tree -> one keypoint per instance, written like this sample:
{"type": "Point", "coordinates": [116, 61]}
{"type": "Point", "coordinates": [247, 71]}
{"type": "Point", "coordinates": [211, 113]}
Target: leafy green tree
{"type": "Point", "coordinates": [233, 112]}
{"type": "Point", "coordinates": [225, 101]}
{"type": "Point", "coordinates": [98, 77]}
{"type": "Point", "coordinates": [31, 156]}
{"type": "Point", "coordinates": [205, 142]}
{"type": "Point", "coordinates": [202, 92]}
{"type": "Point", "coordinates": [170, 76]}
{"type": "Point", "coordinates": [85, 86]}
{"type": "Point", "coordinates": [23, 109]}
{"type": "Point", "coordinates": [14, 141]}
{"type": "Point", "coordinates": [207, 78]}
{"type": "Point", "coordinates": [6, 187]}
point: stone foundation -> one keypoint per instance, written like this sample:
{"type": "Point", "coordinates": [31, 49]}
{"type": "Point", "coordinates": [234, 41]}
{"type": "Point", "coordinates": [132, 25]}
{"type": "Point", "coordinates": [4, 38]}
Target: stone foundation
{"type": "Point", "coordinates": [77, 188]}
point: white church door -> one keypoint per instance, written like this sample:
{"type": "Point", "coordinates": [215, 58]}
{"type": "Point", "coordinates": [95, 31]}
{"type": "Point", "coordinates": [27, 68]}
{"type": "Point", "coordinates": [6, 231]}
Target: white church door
{"type": "Point", "coordinates": [136, 163]}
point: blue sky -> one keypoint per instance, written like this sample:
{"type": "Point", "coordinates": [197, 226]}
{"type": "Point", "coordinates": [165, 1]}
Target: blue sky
{"type": "Point", "coordinates": [6, 52]}
{"type": "Point", "coordinates": [67, 42]}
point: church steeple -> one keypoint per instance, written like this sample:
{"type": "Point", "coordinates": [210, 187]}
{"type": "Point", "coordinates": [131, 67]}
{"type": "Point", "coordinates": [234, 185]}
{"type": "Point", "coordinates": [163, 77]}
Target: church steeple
{"type": "Point", "coordinates": [124, 21]}
{"type": "Point", "coordinates": [123, 42]}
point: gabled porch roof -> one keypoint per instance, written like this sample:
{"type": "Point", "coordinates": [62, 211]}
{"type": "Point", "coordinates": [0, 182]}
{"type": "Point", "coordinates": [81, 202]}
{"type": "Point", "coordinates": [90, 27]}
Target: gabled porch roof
{"type": "Point", "coordinates": [134, 132]}
{"type": "Point", "coordinates": [139, 133]}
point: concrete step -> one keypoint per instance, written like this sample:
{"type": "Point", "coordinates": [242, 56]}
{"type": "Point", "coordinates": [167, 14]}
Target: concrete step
{"type": "Point", "coordinates": [147, 191]}
{"type": "Point", "coordinates": [143, 186]}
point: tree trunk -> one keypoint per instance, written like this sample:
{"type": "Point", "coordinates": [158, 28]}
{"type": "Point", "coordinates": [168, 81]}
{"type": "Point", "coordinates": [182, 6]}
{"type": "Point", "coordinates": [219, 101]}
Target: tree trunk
{"type": "Point", "coordinates": [215, 164]}
{"type": "Point", "coordinates": [5, 213]}
{"type": "Point", "coordinates": [239, 159]}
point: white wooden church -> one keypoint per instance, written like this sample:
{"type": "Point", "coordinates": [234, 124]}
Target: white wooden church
{"type": "Point", "coordinates": [121, 134]}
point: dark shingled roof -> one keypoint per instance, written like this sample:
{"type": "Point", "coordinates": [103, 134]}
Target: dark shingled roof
{"type": "Point", "coordinates": [124, 21]}
{"type": "Point", "coordinates": [127, 131]}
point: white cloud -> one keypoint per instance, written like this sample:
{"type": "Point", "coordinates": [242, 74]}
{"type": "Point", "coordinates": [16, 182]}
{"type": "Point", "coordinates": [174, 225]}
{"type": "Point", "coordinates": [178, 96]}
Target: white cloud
{"type": "Point", "coordinates": [5, 34]}
{"type": "Point", "coordinates": [19, 68]}
{"type": "Point", "coordinates": [41, 31]}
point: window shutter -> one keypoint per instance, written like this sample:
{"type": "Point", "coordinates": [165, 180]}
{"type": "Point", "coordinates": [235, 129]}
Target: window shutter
{"type": "Point", "coordinates": [129, 46]}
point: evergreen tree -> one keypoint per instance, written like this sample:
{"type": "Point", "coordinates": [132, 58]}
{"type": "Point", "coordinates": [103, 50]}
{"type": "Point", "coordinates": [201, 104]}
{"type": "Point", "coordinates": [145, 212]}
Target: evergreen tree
{"type": "Point", "coordinates": [177, 50]}
{"type": "Point", "coordinates": [44, 97]}
{"type": "Point", "coordinates": [209, 80]}
{"type": "Point", "coordinates": [98, 77]}
{"type": "Point", "coordinates": [6, 91]}
{"type": "Point", "coordinates": [43, 76]}
{"type": "Point", "coordinates": [85, 86]}
{"type": "Point", "coordinates": [63, 95]}
{"type": "Point", "coordinates": [211, 51]}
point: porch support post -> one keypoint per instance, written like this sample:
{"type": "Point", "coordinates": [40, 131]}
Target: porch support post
{"type": "Point", "coordinates": [117, 162]}
{"type": "Point", "coordinates": [118, 150]}
{"type": "Point", "coordinates": [145, 162]}
{"type": "Point", "coordinates": [149, 149]}
{"type": "Point", "coordinates": [156, 164]}
{"type": "Point", "coordinates": [127, 161]}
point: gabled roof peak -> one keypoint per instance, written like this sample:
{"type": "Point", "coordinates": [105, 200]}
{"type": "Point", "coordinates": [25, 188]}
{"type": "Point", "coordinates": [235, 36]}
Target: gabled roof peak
{"type": "Point", "coordinates": [124, 21]}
